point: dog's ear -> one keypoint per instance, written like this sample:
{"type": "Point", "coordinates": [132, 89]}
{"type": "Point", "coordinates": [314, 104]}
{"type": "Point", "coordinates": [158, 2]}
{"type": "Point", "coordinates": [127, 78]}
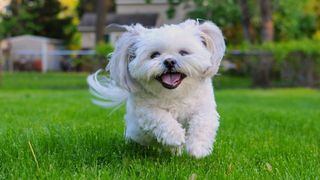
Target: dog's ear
{"type": "Point", "coordinates": [213, 39]}
{"type": "Point", "coordinates": [124, 52]}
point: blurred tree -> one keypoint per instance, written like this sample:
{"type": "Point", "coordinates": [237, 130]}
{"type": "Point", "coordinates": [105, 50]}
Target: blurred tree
{"type": "Point", "coordinates": [38, 17]}
{"type": "Point", "coordinates": [15, 4]}
{"type": "Point", "coordinates": [101, 8]}
{"type": "Point", "coordinates": [70, 10]}
{"type": "Point", "coordinates": [246, 19]}
{"type": "Point", "coordinates": [100, 21]}
{"type": "Point", "coordinates": [263, 20]}
{"type": "Point", "coordinates": [312, 8]}
{"type": "Point", "coordinates": [266, 20]}
{"type": "Point", "coordinates": [85, 6]}
{"type": "Point", "coordinates": [18, 21]}
{"type": "Point", "coordinates": [70, 7]}
{"type": "Point", "coordinates": [224, 13]}
{"type": "Point", "coordinates": [295, 19]}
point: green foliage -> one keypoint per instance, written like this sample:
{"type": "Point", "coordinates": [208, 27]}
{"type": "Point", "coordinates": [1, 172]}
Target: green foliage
{"type": "Point", "coordinates": [85, 6]}
{"type": "Point", "coordinates": [171, 9]}
{"type": "Point", "coordinates": [291, 21]}
{"type": "Point", "coordinates": [294, 62]}
{"type": "Point", "coordinates": [281, 50]}
{"type": "Point", "coordinates": [223, 13]}
{"type": "Point", "coordinates": [39, 17]}
{"type": "Point", "coordinates": [85, 63]}
{"type": "Point", "coordinates": [264, 134]}
{"type": "Point", "coordinates": [104, 49]}
{"type": "Point", "coordinates": [12, 25]}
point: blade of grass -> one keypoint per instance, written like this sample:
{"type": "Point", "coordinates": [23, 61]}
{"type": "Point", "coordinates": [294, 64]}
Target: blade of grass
{"type": "Point", "coordinates": [34, 155]}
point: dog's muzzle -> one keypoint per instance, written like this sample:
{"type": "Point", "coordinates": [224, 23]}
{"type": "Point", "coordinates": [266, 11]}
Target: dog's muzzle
{"type": "Point", "coordinates": [170, 79]}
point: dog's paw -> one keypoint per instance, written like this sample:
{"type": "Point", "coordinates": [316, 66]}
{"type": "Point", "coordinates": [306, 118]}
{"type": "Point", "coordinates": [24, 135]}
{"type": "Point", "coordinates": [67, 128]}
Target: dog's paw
{"type": "Point", "coordinates": [197, 150]}
{"type": "Point", "coordinates": [174, 137]}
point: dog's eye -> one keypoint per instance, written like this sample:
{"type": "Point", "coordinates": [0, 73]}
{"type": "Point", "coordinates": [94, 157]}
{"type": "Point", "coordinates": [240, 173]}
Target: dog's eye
{"type": "Point", "coordinates": [203, 40]}
{"type": "Point", "coordinates": [154, 55]}
{"type": "Point", "coordinates": [204, 43]}
{"type": "Point", "coordinates": [183, 53]}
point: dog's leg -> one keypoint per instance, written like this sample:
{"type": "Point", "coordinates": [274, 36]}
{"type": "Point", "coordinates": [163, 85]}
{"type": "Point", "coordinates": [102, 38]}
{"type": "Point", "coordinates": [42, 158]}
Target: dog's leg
{"type": "Point", "coordinates": [162, 125]}
{"type": "Point", "coordinates": [135, 133]}
{"type": "Point", "coordinates": [201, 133]}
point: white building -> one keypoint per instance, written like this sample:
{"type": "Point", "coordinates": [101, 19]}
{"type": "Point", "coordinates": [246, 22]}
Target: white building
{"type": "Point", "coordinates": [33, 50]}
{"type": "Point", "coordinates": [129, 12]}
{"type": "Point", "coordinates": [159, 7]}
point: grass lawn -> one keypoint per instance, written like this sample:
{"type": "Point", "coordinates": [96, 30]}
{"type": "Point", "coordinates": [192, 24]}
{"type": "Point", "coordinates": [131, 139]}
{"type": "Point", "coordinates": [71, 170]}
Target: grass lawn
{"type": "Point", "coordinates": [49, 129]}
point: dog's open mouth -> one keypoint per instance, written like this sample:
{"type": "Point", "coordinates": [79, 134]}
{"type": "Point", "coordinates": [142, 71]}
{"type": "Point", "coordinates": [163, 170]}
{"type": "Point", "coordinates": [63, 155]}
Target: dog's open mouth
{"type": "Point", "coordinates": [171, 80]}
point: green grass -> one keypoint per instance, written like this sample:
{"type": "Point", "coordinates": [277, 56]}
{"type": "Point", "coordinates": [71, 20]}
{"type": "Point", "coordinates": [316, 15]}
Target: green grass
{"type": "Point", "coordinates": [264, 134]}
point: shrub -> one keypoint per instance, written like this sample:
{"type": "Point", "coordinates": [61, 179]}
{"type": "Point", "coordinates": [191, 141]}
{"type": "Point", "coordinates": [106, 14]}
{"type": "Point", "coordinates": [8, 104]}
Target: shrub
{"type": "Point", "coordinates": [295, 63]}
{"type": "Point", "coordinates": [104, 49]}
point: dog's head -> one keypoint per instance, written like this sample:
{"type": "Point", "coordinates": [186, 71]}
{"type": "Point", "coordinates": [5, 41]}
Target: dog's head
{"type": "Point", "coordinates": [167, 55]}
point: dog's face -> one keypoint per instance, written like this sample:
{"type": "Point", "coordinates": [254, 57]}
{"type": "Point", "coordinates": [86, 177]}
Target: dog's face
{"type": "Point", "coordinates": [166, 56]}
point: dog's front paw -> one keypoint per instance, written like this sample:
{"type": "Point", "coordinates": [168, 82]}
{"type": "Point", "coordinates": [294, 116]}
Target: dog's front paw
{"type": "Point", "coordinates": [197, 150]}
{"type": "Point", "coordinates": [175, 137]}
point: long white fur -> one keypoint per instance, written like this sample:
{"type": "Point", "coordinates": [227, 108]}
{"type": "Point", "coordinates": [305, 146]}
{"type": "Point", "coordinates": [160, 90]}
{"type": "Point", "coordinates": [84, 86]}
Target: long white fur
{"type": "Point", "coordinates": [106, 90]}
{"type": "Point", "coordinates": [181, 118]}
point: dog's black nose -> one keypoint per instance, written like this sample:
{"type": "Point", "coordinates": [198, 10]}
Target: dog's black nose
{"type": "Point", "coordinates": [169, 63]}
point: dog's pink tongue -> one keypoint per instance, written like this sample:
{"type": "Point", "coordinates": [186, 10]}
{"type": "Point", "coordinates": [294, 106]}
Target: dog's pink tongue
{"type": "Point", "coordinates": [171, 79]}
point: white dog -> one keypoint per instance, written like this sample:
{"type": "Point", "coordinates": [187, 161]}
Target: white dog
{"type": "Point", "coordinates": [164, 75]}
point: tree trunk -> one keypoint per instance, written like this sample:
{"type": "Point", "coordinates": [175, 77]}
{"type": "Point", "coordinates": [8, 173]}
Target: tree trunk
{"type": "Point", "coordinates": [101, 19]}
{"type": "Point", "coordinates": [261, 74]}
{"type": "Point", "coordinates": [245, 20]}
{"type": "Point", "coordinates": [15, 6]}
{"type": "Point", "coordinates": [266, 19]}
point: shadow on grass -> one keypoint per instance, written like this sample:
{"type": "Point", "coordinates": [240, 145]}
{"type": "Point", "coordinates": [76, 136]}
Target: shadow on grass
{"type": "Point", "coordinates": [94, 147]}
{"type": "Point", "coordinates": [122, 151]}
{"type": "Point", "coordinates": [72, 150]}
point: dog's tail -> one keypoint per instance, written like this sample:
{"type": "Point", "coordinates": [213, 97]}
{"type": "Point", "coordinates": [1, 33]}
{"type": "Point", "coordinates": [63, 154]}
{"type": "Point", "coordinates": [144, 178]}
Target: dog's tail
{"type": "Point", "coordinates": [106, 91]}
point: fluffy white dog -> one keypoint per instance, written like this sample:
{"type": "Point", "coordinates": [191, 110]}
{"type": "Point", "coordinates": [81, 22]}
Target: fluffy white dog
{"type": "Point", "coordinates": [164, 75]}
